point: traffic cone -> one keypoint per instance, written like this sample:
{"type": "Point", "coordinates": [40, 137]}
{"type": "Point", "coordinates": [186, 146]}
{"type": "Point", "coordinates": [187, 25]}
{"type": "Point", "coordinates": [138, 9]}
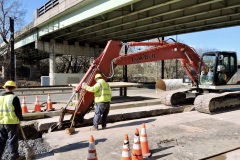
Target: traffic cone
{"type": "Point", "coordinates": [126, 155]}
{"type": "Point", "coordinates": [24, 106]}
{"type": "Point", "coordinates": [49, 104]}
{"type": "Point", "coordinates": [144, 142]}
{"type": "Point", "coordinates": [137, 151]}
{"type": "Point", "coordinates": [37, 107]}
{"type": "Point", "coordinates": [92, 154]}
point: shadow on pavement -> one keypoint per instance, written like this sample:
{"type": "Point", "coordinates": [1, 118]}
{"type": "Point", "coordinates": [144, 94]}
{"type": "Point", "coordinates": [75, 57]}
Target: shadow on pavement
{"type": "Point", "coordinates": [76, 146]}
{"type": "Point", "coordinates": [122, 99]}
{"type": "Point", "coordinates": [157, 157]}
{"type": "Point", "coordinates": [43, 155]}
{"type": "Point", "coordinates": [161, 149]}
{"type": "Point", "coordinates": [133, 123]}
{"type": "Point", "coordinates": [154, 151]}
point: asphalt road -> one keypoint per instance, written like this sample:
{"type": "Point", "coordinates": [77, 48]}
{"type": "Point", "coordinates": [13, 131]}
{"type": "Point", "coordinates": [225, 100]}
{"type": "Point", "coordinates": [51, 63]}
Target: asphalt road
{"type": "Point", "coordinates": [64, 97]}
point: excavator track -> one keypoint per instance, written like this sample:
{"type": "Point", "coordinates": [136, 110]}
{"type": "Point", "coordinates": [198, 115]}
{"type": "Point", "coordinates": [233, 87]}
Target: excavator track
{"type": "Point", "coordinates": [211, 102]}
{"type": "Point", "coordinates": [174, 97]}
{"type": "Point", "coordinates": [205, 103]}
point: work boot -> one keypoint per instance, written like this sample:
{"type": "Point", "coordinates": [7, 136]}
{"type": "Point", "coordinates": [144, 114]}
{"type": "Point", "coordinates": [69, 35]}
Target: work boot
{"type": "Point", "coordinates": [104, 127]}
{"type": "Point", "coordinates": [93, 129]}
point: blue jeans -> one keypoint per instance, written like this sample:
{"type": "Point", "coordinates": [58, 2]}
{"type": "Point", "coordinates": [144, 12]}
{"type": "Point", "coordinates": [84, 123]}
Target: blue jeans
{"type": "Point", "coordinates": [10, 133]}
{"type": "Point", "coordinates": [101, 109]}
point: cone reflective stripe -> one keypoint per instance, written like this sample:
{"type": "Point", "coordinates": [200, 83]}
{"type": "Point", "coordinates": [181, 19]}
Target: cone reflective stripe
{"type": "Point", "coordinates": [49, 104]}
{"type": "Point", "coordinates": [137, 151]}
{"type": "Point", "coordinates": [24, 106]}
{"type": "Point", "coordinates": [37, 107]}
{"type": "Point", "coordinates": [144, 141]}
{"type": "Point", "coordinates": [92, 154]}
{"type": "Point", "coordinates": [126, 155]}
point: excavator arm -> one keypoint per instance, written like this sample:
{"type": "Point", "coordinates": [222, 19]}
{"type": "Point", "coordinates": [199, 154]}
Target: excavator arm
{"type": "Point", "coordinates": [111, 57]}
{"type": "Point", "coordinates": [163, 51]}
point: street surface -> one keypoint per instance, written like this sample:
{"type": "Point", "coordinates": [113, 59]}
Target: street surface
{"type": "Point", "coordinates": [61, 99]}
{"type": "Point", "coordinates": [183, 136]}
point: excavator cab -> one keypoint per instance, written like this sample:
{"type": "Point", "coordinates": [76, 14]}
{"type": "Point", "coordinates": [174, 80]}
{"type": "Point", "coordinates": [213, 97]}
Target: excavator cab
{"type": "Point", "coordinates": [217, 69]}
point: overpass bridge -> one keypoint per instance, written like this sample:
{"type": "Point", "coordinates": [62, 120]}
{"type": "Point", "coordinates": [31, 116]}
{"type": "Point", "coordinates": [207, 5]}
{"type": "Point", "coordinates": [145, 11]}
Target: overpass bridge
{"type": "Point", "coordinates": [83, 27]}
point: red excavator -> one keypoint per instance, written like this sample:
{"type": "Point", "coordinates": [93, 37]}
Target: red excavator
{"type": "Point", "coordinates": [214, 76]}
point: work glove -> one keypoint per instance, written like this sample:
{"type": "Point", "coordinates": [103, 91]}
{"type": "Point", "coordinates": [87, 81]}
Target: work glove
{"type": "Point", "coordinates": [84, 85]}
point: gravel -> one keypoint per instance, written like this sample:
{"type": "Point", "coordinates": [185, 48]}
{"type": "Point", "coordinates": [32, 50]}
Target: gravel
{"type": "Point", "coordinates": [38, 145]}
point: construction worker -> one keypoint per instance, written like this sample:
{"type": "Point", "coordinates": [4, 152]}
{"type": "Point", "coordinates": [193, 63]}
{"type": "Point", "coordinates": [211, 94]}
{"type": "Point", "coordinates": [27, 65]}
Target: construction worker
{"type": "Point", "coordinates": [210, 75]}
{"type": "Point", "coordinates": [102, 93]}
{"type": "Point", "coordinates": [10, 117]}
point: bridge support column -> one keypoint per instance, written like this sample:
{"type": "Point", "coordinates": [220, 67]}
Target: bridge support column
{"type": "Point", "coordinates": [52, 68]}
{"type": "Point", "coordinates": [52, 63]}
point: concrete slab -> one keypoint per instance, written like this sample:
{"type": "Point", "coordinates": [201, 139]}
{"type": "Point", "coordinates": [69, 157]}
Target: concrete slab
{"type": "Point", "coordinates": [188, 135]}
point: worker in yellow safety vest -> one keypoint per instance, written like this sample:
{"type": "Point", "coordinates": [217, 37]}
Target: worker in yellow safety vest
{"type": "Point", "coordinates": [10, 117]}
{"type": "Point", "coordinates": [102, 98]}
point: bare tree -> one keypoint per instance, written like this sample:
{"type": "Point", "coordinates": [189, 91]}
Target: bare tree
{"type": "Point", "coordinates": [14, 9]}
{"type": "Point", "coordinates": [72, 64]}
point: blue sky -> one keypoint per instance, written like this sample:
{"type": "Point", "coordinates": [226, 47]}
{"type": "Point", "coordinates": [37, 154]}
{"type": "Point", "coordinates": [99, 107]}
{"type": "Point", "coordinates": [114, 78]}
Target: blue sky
{"type": "Point", "coordinates": [30, 6]}
{"type": "Point", "coordinates": [226, 39]}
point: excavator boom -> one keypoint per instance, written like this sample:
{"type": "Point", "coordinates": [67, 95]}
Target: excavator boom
{"type": "Point", "coordinates": [164, 51]}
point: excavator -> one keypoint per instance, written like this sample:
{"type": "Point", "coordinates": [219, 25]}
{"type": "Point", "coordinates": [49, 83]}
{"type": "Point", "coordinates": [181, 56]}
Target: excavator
{"type": "Point", "coordinates": [214, 76]}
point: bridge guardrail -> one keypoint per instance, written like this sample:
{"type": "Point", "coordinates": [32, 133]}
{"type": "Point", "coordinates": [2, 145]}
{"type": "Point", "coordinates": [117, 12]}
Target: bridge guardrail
{"type": "Point", "coordinates": [46, 7]}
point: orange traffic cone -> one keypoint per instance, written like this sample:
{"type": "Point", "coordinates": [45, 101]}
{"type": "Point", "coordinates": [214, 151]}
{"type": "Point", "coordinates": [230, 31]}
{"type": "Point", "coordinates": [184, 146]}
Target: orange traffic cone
{"type": "Point", "coordinates": [24, 106]}
{"type": "Point", "coordinates": [137, 151]}
{"type": "Point", "coordinates": [144, 142]}
{"type": "Point", "coordinates": [49, 104]}
{"type": "Point", "coordinates": [126, 155]}
{"type": "Point", "coordinates": [92, 154]}
{"type": "Point", "coordinates": [37, 107]}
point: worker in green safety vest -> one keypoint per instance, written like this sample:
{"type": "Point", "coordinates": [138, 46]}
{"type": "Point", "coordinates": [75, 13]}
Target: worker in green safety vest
{"type": "Point", "coordinates": [10, 117]}
{"type": "Point", "coordinates": [102, 98]}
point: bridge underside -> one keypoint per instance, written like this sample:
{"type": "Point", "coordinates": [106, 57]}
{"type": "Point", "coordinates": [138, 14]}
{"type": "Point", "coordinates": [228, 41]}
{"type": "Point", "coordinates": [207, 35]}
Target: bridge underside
{"type": "Point", "coordinates": [137, 21]}
{"type": "Point", "coordinates": [149, 19]}
{"type": "Point", "coordinates": [30, 54]}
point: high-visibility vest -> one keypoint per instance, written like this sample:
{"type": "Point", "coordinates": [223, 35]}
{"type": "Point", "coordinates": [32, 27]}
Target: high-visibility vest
{"type": "Point", "coordinates": [102, 93]}
{"type": "Point", "coordinates": [7, 110]}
